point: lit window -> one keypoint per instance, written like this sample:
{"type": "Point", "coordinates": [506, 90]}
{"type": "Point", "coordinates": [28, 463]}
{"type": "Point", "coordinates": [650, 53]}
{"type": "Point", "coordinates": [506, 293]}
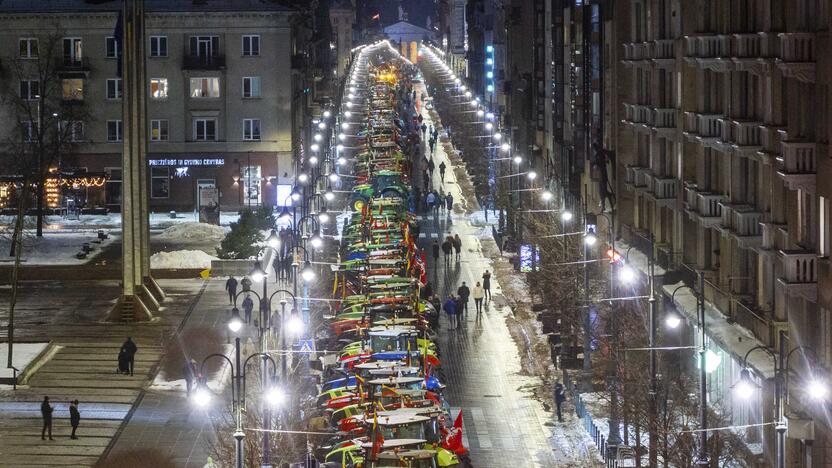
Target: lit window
{"type": "Point", "coordinates": [205, 87]}
{"type": "Point", "coordinates": [205, 129]}
{"type": "Point", "coordinates": [114, 88]}
{"type": "Point", "coordinates": [28, 48]}
{"type": "Point", "coordinates": [251, 86]}
{"type": "Point", "coordinates": [159, 130]}
{"type": "Point", "coordinates": [251, 46]}
{"type": "Point", "coordinates": [114, 130]}
{"type": "Point", "coordinates": [111, 46]}
{"type": "Point", "coordinates": [158, 46]}
{"type": "Point", "coordinates": [29, 89]}
{"type": "Point", "coordinates": [72, 89]}
{"type": "Point", "coordinates": [159, 88]}
{"type": "Point", "coordinates": [251, 129]}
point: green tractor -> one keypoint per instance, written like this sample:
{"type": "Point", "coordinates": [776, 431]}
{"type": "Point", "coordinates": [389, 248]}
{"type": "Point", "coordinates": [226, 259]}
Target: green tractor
{"type": "Point", "coordinates": [386, 184]}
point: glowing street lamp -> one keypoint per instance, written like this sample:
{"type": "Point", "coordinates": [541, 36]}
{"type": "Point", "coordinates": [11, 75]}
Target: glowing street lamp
{"type": "Point", "coordinates": [590, 238]}
{"type": "Point", "coordinates": [235, 323]}
{"type": "Point", "coordinates": [308, 274]}
{"type": "Point", "coordinates": [273, 240]}
{"type": "Point", "coordinates": [258, 274]}
{"type": "Point", "coordinates": [673, 321]}
{"type": "Point", "coordinates": [566, 216]}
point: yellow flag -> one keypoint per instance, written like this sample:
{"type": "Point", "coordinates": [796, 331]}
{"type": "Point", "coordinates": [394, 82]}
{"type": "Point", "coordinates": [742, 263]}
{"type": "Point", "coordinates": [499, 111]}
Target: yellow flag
{"type": "Point", "coordinates": [204, 274]}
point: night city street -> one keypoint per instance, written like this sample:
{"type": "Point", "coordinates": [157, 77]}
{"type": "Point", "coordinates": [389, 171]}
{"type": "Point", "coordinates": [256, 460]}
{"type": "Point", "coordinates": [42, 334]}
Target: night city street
{"type": "Point", "coordinates": [422, 233]}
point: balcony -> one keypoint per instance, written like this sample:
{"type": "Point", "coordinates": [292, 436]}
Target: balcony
{"type": "Point", "coordinates": [636, 114]}
{"type": "Point", "coordinates": [636, 53]}
{"type": "Point", "coordinates": [637, 178]}
{"type": "Point", "coordinates": [742, 222]}
{"type": "Point", "coordinates": [71, 67]}
{"type": "Point", "coordinates": [796, 56]}
{"type": "Point", "coordinates": [705, 128]}
{"type": "Point", "coordinates": [663, 120]}
{"type": "Point", "coordinates": [709, 51]}
{"type": "Point", "coordinates": [702, 207]}
{"type": "Point", "coordinates": [798, 165]}
{"type": "Point", "coordinates": [203, 62]}
{"type": "Point", "coordinates": [752, 52]}
{"type": "Point", "coordinates": [770, 137]}
{"type": "Point", "coordinates": [741, 135]}
{"type": "Point", "coordinates": [663, 53]}
{"type": "Point", "coordinates": [662, 190]}
{"type": "Point", "coordinates": [774, 235]}
{"type": "Point", "coordinates": [800, 274]}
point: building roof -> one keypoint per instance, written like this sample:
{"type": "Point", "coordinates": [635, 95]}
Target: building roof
{"type": "Point", "coordinates": [400, 27]}
{"type": "Point", "coordinates": [70, 6]}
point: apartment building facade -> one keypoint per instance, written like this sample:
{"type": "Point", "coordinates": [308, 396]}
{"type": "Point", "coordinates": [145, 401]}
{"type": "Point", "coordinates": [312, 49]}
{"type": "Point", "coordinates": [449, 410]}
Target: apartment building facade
{"type": "Point", "coordinates": [220, 111]}
{"type": "Point", "coordinates": [721, 153]}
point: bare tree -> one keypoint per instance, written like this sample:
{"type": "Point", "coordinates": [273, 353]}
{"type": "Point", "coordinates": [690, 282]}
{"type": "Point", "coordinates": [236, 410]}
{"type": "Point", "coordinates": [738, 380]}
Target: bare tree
{"type": "Point", "coordinates": [44, 94]}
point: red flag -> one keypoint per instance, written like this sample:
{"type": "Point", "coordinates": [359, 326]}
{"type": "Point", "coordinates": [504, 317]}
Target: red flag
{"type": "Point", "coordinates": [458, 421]}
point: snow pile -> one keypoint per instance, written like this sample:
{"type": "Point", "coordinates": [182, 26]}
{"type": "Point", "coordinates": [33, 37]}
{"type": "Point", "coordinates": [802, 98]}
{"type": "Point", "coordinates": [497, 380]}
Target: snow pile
{"type": "Point", "coordinates": [193, 232]}
{"type": "Point", "coordinates": [24, 354]}
{"type": "Point", "coordinates": [181, 259]}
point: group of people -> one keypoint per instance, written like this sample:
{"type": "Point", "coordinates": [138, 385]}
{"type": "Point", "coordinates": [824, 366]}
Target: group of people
{"type": "Point", "coordinates": [439, 201]}
{"type": "Point", "coordinates": [449, 246]}
{"type": "Point", "coordinates": [456, 305]}
{"type": "Point", "coordinates": [127, 356]}
{"type": "Point", "coordinates": [46, 410]}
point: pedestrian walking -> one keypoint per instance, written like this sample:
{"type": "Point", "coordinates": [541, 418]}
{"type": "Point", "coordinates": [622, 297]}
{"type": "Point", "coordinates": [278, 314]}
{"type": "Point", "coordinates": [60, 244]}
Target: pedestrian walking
{"type": "Point", "coordinates": [46, 412]}
{"type": "Point", "coordinates": [560, 397]}
{"type": "Point", "coordinates": [442, 168]}
{"type": "Point", "coordinates": [449, 203]}
{"type": "Point", "coordinates": [246, 284]}
{"type": "Point", "coordinates": [74, 418]}
{"type": "Point", "coordinates": [440, 201]}
{"type": "Point", "coordinates": [430, 200]}
{"type": "Point", "coordinates": [486, 284]}
{"type": "Point", "coordinates": [446, 249]}
{"type": "Point", "coordinates": [435, 251]}
{"type": "Point", "coordinates": [464, 293]}
{"type": "Point", "coordinates": [477, 293]}
{"type": "Point", "coordinates": [130, 349]}
{"type": "Point", "coordinates": [431, 166]}
{"type": "Point", "coordinates": [277, 266]}
{"type": "Point", "coordinates": [248, 306]}
{"type": "Point", "coordinates": [189, 372]}
{"type": "Point", "coordinates": [231, 287]}
{"type": "Point", "coordinates": [425, 181]}
{"type": "Point", "coordinates": [457, 243]}
{"type": "Point", "coordinates": [432, 145]}
{"type": "Point", "coordinates": [450, 308]}
{"type": "Point", "coordinates": [424, 129]}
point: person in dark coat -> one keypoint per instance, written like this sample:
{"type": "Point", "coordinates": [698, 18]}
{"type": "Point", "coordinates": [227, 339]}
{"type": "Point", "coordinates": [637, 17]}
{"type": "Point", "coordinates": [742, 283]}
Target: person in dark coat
{"type": "Point", "coordinates": [46, 412]}
{"type": "Point", "coordinates": [486, 284]}
{"type": "Point", "coordinates": [435, 252]}
{"type": "Point", "coordinates": [442, 168]}
{"type": "Point", "coordinates": [447, 245]}
{"type": "Point", "coordinates": [463, 292]}
{"type": "Point", "coordinates": [123, 363]}
{"type": "Point", "coordinates": [130, 349]}
{"type": "Point", "coordinates": [449, 203]}
{"type": "Point", "coordinates": [431, 166]}
{"type": "Point", "coordinates": [189, 372]}
{"type": "Point", "coordinates": [248, 306]}
{"type": "Point", "coordinates": [457, 242]}
{"type": "Point", "coordinates": [246, 284]}
{"type": "Point", "coordinates": [231, 287]}
{"type": "Point", "coordinates": [74, 418]}
{"type": "Point", "coordinates": [560, 397]}
{"type": "Point", "coordinates": [277, 266]}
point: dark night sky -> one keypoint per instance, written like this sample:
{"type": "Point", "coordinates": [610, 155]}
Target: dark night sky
{"type": "Point", "coordinates": [417, 10]}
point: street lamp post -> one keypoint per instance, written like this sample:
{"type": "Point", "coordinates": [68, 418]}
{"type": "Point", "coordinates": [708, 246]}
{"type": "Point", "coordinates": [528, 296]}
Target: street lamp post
{"type": "Point", "coordinates": [202, 394]}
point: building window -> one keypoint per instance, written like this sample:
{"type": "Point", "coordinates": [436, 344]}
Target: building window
{"type": "Point", "coordinates": [114, 130]}
{"type": "Point", "coordinates": [159, 130]}
{"type": "Point", "coordinates": [251, 86]}
{"type": "Point", "coordinates": [158, 46]}
{"type": "Point", "coordinates": [28, 47]}
{"type": "Point", "coordinates": [114, 88]}
{"type": "Point", "coordinates": [30, 130]}
{"type": "Point", "coordinates": [74, 130]}
{"type": "Point", "coordinates": [72, 50]}
{"type": "Point", "coordinates": [159, 88]}
{"type": "Point", "coordinates": [205, 87]}
{"type": "Point", "coordinates": [205, 46]}
{"type": "Point", "coordinates": [111, 46]}
{"type": "Point", "coordinates": [251, 46]}
{"type": "Point", "coordinates": [251, 185]}
{"type": "Point", "coordinates": [29, 89]}
{"type": "Point", "coordinates": [112, 187]}
{"type": "Point", "coordinates": [72, 89]}
{"type": "Point", "coordinates": [251, 129]}
{"type": "Point", "coordinates": [159, 182]}
{"type": "Point", "coordinates": [205, 129]}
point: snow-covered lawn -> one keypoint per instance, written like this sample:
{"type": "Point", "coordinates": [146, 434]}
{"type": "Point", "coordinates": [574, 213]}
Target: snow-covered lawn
{"type": "Point", "coordinates": [193, 232]}
{"type": "Point", "coordinates": [181, 259]}
{"type": "Point", "coordinates": [157, 220]}
{"type": "Point", "coordinates": [54, 248]}
{"type": "Point", "coordinates": [22, 355]}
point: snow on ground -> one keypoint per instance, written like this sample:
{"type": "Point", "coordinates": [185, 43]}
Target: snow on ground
{"type": "Point", "coordinates": [181, 259]}
{"type": "Point", "coordinates": [22, 355]}
{"type": "Point", "coordinates": [193, 232]}
{"type": "Point", "coordinates": [157, 220]}
{"type": "Point", "coordinates": [54, 248]}
{"type": "Point", "coordinates": [477, 218]}
{"type": "Point", "coordinates": [216, 383]}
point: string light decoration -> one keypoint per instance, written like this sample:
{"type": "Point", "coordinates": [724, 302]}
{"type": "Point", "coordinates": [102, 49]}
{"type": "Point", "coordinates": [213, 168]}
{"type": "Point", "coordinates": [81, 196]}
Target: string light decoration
{"type": "Point", "coordinates": [53, 193]}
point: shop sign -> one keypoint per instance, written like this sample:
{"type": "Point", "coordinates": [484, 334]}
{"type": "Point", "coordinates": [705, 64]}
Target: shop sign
{"type": "Point", "coordinates": [187, 162]}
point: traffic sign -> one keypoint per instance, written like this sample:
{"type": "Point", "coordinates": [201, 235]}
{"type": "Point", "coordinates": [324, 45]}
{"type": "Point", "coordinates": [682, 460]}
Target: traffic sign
{"type": "Point", "coordinates": [306, 346]}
